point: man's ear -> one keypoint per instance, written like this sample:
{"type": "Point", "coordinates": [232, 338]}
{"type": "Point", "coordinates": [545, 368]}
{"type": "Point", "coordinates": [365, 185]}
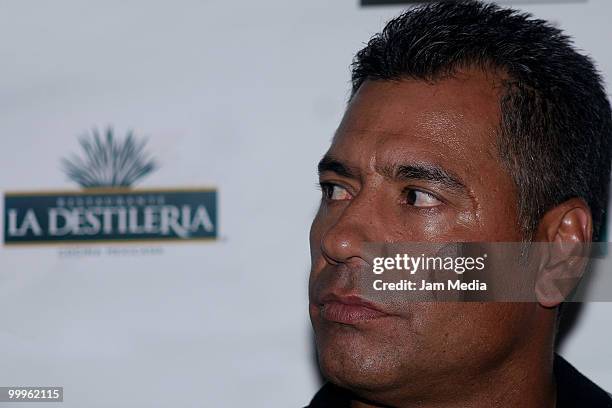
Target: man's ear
{"type": "Point", "coordinates": [565, 232]}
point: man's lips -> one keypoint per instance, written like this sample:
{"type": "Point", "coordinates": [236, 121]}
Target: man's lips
{"type": "Point", "coordinates": [348, 309]}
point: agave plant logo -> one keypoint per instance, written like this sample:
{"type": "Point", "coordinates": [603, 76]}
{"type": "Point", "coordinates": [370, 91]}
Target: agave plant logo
{"type": "Point", "coordinates": [107, 209]}
{"type": "Point", "coordinates": [108, 162]}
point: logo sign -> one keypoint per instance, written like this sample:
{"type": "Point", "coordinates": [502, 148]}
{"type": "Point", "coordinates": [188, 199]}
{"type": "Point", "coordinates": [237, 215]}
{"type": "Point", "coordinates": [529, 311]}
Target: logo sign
{"type": "Point", "coordinates": [413, 2]}
{"type": "Point", "coordinates": [386, 2]}
{"type": "Point", "coordinates": [107, 209]}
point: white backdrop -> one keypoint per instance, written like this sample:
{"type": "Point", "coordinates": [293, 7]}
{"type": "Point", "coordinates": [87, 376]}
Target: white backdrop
{"type": "Point", "coordinates": [244, 96]}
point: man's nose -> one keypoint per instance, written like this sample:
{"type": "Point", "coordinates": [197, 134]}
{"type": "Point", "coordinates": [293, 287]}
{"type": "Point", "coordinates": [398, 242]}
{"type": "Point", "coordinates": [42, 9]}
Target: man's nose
{"type": "Point", "coordinates": [345, 241]}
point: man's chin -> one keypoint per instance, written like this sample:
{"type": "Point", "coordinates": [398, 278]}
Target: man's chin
{"type": "Point", "coordinates": [359, 366]}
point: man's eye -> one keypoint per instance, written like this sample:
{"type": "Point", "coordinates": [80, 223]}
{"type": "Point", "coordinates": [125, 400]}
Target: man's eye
{"type": "Point", "coordinates": [418, 198]}
{"type": "Point", "coordinates": [334, 192]}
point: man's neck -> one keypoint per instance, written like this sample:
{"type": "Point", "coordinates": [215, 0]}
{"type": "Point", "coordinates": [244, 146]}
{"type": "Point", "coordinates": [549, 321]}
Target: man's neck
{"type": "Point", "coordinates": [527, 382]}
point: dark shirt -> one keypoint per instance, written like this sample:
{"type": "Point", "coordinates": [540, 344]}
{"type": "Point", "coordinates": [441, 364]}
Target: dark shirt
{"type": "Point", "coordinates": [574, 390]}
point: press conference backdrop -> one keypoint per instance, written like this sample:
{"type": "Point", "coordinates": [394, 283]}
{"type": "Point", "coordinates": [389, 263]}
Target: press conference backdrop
{"type": "Point", "coordinates": [230, 105]}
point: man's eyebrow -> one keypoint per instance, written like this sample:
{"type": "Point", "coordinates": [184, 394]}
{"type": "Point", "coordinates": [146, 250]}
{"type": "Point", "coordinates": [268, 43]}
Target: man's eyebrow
{"type": "Point", "coordinates": [330, 163]}
{"type": "Point", "coordinates": [426, 172]}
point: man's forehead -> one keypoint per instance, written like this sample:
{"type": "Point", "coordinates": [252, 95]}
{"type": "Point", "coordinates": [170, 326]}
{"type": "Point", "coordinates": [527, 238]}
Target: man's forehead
{"type": "Point", "coordinates": [454, 119]}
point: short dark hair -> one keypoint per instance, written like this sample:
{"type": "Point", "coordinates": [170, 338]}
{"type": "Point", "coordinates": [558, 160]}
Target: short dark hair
{"type": "Point", "coordinates": [556, 123]}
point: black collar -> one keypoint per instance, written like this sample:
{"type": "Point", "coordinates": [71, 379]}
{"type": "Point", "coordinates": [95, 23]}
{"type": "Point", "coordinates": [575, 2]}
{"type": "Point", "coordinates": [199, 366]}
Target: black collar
{"type": "Point", "coordinates": [574, 390]}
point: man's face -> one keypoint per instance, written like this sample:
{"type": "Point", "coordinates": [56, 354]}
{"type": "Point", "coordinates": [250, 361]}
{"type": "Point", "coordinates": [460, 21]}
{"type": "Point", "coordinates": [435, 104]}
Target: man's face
{"type": "Point", "coordinates": [411, 162]}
